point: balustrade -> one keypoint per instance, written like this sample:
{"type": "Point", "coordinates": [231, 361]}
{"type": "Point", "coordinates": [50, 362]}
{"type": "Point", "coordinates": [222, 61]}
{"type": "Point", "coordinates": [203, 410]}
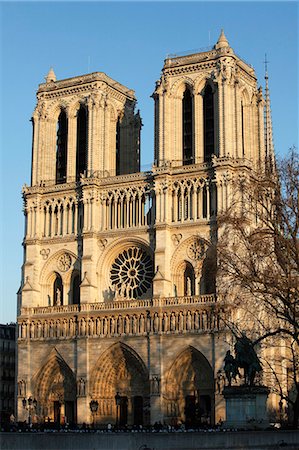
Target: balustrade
{"type": "Point", "coordinates": [191, 314]}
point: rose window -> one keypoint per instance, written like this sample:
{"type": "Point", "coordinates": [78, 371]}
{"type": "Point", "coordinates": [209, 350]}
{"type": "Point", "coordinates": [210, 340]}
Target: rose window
{"type": "Point", "coordinates": [132, 273]}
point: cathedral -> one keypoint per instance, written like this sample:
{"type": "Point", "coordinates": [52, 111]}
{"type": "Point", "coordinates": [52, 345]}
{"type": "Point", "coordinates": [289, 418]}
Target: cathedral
{"type": "Point", "coordinates": [119, 316]}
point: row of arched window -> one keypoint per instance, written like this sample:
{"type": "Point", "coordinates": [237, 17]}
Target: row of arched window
{"type": "Point", "coordinates": [81, 147]}
{"type": "Point", "coordinates": [62, 148]}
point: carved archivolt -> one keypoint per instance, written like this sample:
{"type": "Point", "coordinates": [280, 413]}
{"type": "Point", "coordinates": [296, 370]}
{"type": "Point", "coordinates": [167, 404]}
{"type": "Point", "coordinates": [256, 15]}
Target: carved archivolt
{"type": "Point", "coordinates": [190, 373]}
{"type": "Point", "coordinates": [55, 381]}
{"type": "Point", "coordinates": [121, 369]}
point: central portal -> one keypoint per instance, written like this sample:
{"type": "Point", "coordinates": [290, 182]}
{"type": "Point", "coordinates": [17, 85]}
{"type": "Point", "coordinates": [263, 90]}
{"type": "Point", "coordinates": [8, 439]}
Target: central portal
{"type": "Point", "coordinates": [121, 370]}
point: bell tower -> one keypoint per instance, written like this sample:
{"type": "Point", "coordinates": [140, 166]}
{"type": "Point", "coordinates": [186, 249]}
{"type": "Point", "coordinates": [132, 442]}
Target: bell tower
{"type": "Point", "coordinates": [84, 125]}
{"type": "Point", "coordinates": [207, 104]}
{"type": "Point", "coordinates": [84, 128]}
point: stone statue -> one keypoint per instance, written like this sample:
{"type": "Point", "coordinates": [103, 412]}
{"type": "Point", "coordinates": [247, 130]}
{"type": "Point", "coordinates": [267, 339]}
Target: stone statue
{"type": "Point", "coordinates": [58, 297]}
{"type": "Point", "coordinates": [230, 367]}
{"type": "Point", "coordinates": [247, 359]}
{"type": "Point", "coordinates": [188, 286]}
{"type": "Point", "coordinates": [81, 387]}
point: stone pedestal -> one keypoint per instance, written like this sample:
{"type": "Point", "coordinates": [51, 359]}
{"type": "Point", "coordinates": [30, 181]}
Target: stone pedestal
{"type": "Point", "coordinates": [246, 407]}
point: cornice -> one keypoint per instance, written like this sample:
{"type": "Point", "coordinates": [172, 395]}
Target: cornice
{"type": "Point", "coordinates": [83, 83]}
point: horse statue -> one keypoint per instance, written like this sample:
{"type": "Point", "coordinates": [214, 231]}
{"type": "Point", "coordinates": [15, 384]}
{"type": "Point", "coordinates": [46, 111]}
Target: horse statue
{"type": "Point", "coordinates": [247, 359]}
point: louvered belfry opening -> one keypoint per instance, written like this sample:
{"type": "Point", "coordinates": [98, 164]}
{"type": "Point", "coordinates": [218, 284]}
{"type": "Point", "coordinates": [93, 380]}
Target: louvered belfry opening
{"type": "Point", "coordinates": [61, 148]}
{"type": "Point", "coordinates": [188, 156]}
{"type": "Point", "coordinates": [208, 107]}
{"type": "Point", "coordinates": [81, 155]}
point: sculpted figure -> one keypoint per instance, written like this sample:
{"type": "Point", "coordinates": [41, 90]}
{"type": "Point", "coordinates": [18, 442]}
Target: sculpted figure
{"type": "Point", "coordinates": [247, 358]}
{"type": "Point", "coordinates": [32, 330]}
{"type": "Point", "coordinates": [172, 322]}
{"type": "Point", "coordinates": [189, 321]}
{"type": "Point", "coordinates": [83, 327]}
{"type": "Point", "coordinates": [98, 326]}
{"type": "Point", "coordinates": [156, 322]}
{"type": "Point", "coordinates": [105, 326]}
{"type": "Point", "coordinates": [112, 325]}
{"type": "Point", "coordinates": [81, 387]}
{"type": "Point", "coordinates": [58, 297]}
{"type": "Point", "coordinates": [134, 324]}
{"type": "Point", "coordinates": [230, 367]}
{"type": "Point", "coordinates": [181, 321]}
{"type": "Point", "coordinates": [127, 325]}
{"type": "Point", "coordinates": [46, 330]}
{"type": "Point", "coordinates": [165, 322]}
{"type": "Point", "coordinates": [141, 324]}
{"type": "Point", "coordinates": [188, 286]}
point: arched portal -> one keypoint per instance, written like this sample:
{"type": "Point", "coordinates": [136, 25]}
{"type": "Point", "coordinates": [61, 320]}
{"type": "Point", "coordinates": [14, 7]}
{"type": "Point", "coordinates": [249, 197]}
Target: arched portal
{"type": "Point", "coordinates": [189, 390]}
{"type": "Point", "coordinates": [121, 371]}
{"type": "Point", "coordinates": [55, 391]}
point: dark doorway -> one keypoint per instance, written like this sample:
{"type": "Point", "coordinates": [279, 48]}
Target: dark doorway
{"type": "Point", "coordinates": [138, 410]}
{"type": "Point", "coordinates": [57, 406]}
{"type": "Point", "coordinates": [123, 411]}
{"type": "Point", "coordinates": [190, 411]}
{"type": "Point", "coordinates": [205, 409]}
{"type": "Point", "coordinates": [69, 412]}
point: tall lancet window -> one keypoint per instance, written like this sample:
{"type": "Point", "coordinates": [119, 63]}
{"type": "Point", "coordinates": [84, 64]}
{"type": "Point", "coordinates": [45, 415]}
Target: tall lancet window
{"type": "Point", "coordinates": [81, 155]}
{"type": "Point", "coordinates": [61, 148]}
{"type": "Point", "coordinates": [208, 112]}
{"type": "Point", "coordinates": [117, 148]}
{"type": "Point", "coordinates": [188, 155]}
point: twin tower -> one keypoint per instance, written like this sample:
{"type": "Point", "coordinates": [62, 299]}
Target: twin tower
{"type": "Point", "coordinates": [87, 189]}
{"type": "Point", "coordinates": [117, 262]}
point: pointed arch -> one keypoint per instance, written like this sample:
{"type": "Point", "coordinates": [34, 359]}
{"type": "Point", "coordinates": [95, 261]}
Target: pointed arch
{"type": "Point", "coordinates": [209, 122]}
{"type": "Point", "coordinates": [121, 370]}
{"type": "Point", "coordinates": [117, 148]}
{"type": "Point", "coordinates": [61, 147]}
{"type": "Point", "coordinates": [189, 387]}
{"type": "Point", "coordinates": [82, 141]}
{"type": "Point", "coordinates": [54, 384]}
{"type": "Point", "coordinates": [188, 126]}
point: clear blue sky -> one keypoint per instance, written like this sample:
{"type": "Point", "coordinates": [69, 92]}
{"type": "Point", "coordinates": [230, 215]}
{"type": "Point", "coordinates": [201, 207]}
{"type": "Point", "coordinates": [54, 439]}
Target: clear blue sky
{"type": "Point", "coordinates": [129, 42]}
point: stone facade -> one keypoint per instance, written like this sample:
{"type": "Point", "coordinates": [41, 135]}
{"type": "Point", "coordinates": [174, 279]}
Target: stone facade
{"type": "Point", "coordinates": [118, 291]}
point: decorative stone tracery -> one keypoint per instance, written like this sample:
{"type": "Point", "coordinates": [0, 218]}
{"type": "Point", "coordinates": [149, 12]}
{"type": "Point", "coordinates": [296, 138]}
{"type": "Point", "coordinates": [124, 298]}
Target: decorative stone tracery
{"type": "Point", "coordinates": [132, 272]}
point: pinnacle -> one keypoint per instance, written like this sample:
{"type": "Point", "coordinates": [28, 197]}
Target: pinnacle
{"type": "Point", "coordinates": [51, 76]}
{"type": "Point", "coordinates": [222, 41]}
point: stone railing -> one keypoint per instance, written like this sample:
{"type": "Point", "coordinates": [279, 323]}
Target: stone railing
{"type": "Point", "coordinates": [121, 305]}
{"type": "Point", "coordinates": [122, 318]}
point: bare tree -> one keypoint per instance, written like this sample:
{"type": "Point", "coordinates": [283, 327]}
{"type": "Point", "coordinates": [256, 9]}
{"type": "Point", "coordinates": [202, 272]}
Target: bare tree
{"type": "Point", "coordinates": [258, 266]}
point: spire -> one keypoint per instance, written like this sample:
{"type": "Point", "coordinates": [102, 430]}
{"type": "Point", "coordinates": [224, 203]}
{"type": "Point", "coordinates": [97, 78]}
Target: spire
{"type": "Point", "coordinates": [51, 76]}
{"type": "Point", "coordinates": [222, 41]}
{"type": "Point", "coordinates": [269, 146]}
